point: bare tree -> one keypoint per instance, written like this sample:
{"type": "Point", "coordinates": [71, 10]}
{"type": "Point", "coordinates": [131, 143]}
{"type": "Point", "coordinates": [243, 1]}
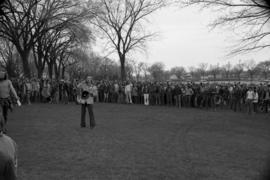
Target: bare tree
{"type": "Point", "coordinates": [202, 69]}
{"type": "Point", "coordinates": [9, 58]}
{"type": "Point", "coordinates": [130, 71]}
{"type": "Point", "coordinates": [193, 72]}
{"type": "Point", "coordinates": [145, 70]}
{"type": "Point", "coordinates": [108, 69]}
{"type": "Point", "coordinates": [227, 68]}
{"type": "Point", "coordinates": [16, 26]}
{"type": "Point", "coordinates": [157, 70]}
{"type": "Point", "coordinates": [214, 70]}
{"type": "Point", "coordinates": [251, 68]}
{"type": "Point", "coordinates": [178, 71]}
{"type": "Point", "coordinates": [251, 16]}
{"type": "Point", "coordinates": [264, 68]}
{"type": "Point", "coordinates": [137, 68]}
{"type": "Point", "coordinates": [24, 22]}
{"type": "Point", "coordinates": [238, 70]}
{"type": "Point", "coordinates": [121, 23]}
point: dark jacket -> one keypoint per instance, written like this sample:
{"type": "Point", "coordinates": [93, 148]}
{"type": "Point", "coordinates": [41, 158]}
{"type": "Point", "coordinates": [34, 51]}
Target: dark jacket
{"type": "Point", "coordinates": [8, 158]}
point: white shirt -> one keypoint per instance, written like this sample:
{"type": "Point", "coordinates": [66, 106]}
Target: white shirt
{"type": "Point", "coordinates": [250, 94]}
{"type": "Point", "coordinates": [89, 88]}
{"type": "Point", "coordinates": [116, 87]}
{"type": "Point", "coordinates": [95, 89]}
{"type": "Point", "coordinates": [128, 88]}
{"type": "Point", "coordinates": [256, 97]}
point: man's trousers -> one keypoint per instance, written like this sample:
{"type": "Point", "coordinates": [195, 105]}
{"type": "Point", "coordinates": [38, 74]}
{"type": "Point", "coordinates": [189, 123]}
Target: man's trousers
{"type": "Point", "coordinates": [91, 115]}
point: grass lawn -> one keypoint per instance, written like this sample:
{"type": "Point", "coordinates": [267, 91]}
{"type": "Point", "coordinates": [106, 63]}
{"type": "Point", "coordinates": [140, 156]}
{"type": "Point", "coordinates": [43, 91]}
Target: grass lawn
{"type": "Point", "coordinates": [138, 142]}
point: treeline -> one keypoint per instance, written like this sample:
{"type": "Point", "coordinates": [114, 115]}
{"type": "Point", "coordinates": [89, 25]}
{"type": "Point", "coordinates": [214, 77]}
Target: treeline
{"type": "Point", "coordinates": [40, 36]}
{"type": "Point", "coordinates": [246, 70]}
{"type": "Point", "coordinates": [53, 36]}
{"type": "Point", "coordinates": [105, 68]}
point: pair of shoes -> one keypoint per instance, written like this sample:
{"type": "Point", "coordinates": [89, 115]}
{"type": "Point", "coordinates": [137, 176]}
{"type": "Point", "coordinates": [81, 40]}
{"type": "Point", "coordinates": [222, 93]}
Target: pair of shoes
{"type": "Point", "coordinates": [83, 126]}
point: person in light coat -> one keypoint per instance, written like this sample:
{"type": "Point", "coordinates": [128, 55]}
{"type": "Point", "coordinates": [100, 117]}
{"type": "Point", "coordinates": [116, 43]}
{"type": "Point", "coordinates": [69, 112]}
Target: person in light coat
{"type": "Point", "coordinates": [128, 90]}
{"type": "Point", "coordinates": [86, 99]}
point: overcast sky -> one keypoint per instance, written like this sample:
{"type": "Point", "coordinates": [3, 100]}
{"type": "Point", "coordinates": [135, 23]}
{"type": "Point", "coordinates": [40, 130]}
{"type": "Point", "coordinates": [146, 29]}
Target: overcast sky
{"type": "Point", "coordinates": [185, 40]}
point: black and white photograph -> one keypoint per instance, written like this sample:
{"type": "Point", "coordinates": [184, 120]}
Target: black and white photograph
{"type": "Point", "coordinates": [134, 90]}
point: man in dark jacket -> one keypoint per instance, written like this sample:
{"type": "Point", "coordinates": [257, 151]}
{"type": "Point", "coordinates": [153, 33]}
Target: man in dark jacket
{"type": "Point", "coordinates": [8, 155]}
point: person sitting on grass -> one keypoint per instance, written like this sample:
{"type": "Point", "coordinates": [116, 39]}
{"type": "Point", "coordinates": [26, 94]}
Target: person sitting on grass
{"type": "Point", "coordinates": [8, 155]}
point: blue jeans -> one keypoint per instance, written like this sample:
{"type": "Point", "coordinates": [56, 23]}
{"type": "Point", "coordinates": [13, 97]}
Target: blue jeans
{"type": "Point", "coordinates": [91, 115]}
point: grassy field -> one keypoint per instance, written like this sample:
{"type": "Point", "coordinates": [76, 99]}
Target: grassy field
{"type": "Point", "coordinates": [138, 142]}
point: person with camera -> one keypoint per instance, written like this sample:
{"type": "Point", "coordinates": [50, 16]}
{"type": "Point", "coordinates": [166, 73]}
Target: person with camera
{"type": "Point", "coordinates": [86, 99]}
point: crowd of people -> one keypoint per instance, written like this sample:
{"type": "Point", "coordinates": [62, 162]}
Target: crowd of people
{"type": "Point", "coordinates": [45, 90]}
{"type": "Point", "coordinates": [235, 96]}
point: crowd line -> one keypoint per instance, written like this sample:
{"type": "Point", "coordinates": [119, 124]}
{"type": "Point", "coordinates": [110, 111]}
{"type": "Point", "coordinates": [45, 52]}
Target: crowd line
{"type": "Point", "coordinates": [235, 96]}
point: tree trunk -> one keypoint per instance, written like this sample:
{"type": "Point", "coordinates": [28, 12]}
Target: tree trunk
{"type": "Point", "coordinates": [56, 74]}
{"type": "Point", "coordinates": [26, 68]}
{"type": "Point", "coordinates": [40, 68]}
{"type": "Point", "coordinates": [50, 70]}
{"type": "Point", "coordinates": [63, 72]}
{"type": "Point", "coordinates": [57, 70]}
{"type": "Point", "coordinates": [40, 73]}
{"type": "Point", "coordinates": [41, 65]}
{"type": "Point", "coordinates": [24, 55]}
{"type": "Point", "coordinates": [123, 69]}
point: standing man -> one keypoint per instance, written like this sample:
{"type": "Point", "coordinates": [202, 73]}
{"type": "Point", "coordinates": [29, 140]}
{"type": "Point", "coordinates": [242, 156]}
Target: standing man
{"type": "Point", "coordinates": [8, 155]}
{"type": "Point", "coordinates": [28, 90]}
{"type": "Point", "coordinates": [128, 90]}
{"type": "Point", "coordinates": [249, 99]}
{"type": "Point", "coordinates": [116, 91]}
{"type": "Point", "coordinates": [6, 88]}
{"type": "Point", "coordinates": [86, 89]}
{"type": "Point", "coordinates": [266, 98]}
{"type": "Point", "coordinates": [145, 91]}
{"type": "Point", "coordinates": [95, 92]}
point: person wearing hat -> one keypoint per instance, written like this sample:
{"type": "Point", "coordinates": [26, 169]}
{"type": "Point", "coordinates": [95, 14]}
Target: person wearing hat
{"type": "Point", "coordinates": [6, 88]}
{"type": "Point", "coordinates": [86, 99]}
{"type": "Point", "coordinates": [8, 155]}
